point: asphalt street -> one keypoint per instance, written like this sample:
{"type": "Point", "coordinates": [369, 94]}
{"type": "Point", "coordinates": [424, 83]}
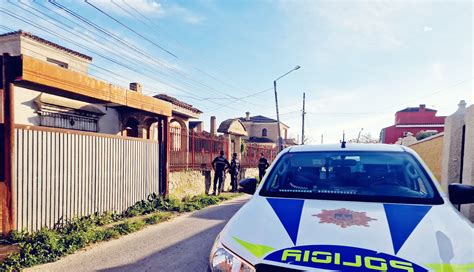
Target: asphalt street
{"type": "Point", "coordinates": [181, 244]}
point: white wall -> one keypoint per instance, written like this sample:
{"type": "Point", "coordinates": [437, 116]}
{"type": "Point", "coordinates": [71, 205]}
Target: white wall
{"type": "Point", "coordinates": [25, 112]}
{"type": "Point", "coordinates": [451, 167]}
{"type": "Point", "coordinates": [25, 107]}
{"type": "Point", "coordinates": [16, 46]}
{"type": "Point", "coordinates": [110, 122]}
{"type": "Point", "coordinates": [255, 130]}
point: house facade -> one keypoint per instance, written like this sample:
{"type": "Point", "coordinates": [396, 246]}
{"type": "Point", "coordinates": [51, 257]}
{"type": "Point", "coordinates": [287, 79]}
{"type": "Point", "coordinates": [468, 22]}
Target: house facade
{"type": "Point", "coordinates": [73, 145]}
{"type": "Point", "coordinates": [50, 106]}
{"type": "Point", "coordinates": [263, 130]}
{"type": "Point", "coordinates": [412, 120]}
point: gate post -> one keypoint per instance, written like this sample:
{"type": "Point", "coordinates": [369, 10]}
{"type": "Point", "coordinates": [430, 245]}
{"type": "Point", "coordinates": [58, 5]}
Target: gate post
{"type": "Point", "coordinates": [167, 134]}
{"type": "Point", "coordinates": [9, 67]}
{"type": "Point", "coordinates": [192, 150]}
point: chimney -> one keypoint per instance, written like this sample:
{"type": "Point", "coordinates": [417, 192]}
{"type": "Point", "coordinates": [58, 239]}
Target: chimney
{"type": "Point", "coordinates": [461, 107]}
{"type": "Point", "coordinates": [213, 126]}
{"type": "Point", "coordinates": [247, 116]}
{"type": "Point", "coordinates": [135, 86]}
{"type": "Point", "coordinates": [422, 107]}
{"type": "Point", "coordinates": [199, 127]}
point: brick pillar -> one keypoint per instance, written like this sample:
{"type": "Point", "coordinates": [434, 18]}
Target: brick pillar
{"type": "Point", "coordinates": [167, 139]}
{"type": "Point", "coordinates": [9, 71]}
{"type": "Point", "coordinates": [238, 143]}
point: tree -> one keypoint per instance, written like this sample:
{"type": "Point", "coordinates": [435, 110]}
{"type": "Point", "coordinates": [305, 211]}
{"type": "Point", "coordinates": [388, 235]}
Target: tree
{"type": "Point", "coordinates": [425, 134]}
{"type": "Point", "coordinates": [365, 138]}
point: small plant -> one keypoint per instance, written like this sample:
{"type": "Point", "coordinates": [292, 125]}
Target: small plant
{"type": "Point", "coordinates": [153, 219]}
{"type": "Point", "coordinates": [67, 236]}
{"type": "Point", "coordinates": [129, 227]}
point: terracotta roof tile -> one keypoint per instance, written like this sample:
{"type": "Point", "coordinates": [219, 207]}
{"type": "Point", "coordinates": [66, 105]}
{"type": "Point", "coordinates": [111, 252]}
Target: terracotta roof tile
{"type": "Point", "coordinates": [177, 102]}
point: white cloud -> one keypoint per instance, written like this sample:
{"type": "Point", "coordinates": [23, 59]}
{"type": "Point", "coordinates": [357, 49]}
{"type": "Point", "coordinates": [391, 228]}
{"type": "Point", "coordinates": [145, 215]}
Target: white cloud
{"type": "Point", "coordinates": [148, 7]}
{"type": "Point", "coordinates": [184, 14]}
{"type": "Point", "coordinates": [360, 24]}
{"type": "Point", "coordinates": [427, 29]}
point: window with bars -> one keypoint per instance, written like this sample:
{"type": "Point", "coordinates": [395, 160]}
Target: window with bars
{"type": "Point", "coordinates": [61, 112]}
{"type": "Point", "coordinates": [78, 121]}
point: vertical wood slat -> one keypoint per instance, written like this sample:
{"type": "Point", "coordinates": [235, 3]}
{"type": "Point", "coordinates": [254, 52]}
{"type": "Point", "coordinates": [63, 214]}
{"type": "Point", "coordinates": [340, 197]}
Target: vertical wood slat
{"type": "Point", "coordinates": [64, 175]}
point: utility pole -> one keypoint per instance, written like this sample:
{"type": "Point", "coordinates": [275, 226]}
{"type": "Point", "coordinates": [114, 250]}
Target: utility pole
{"type": "Point", "coordinates": [280, 145]}
{"type": "Point", "coordinates": [322, 138]}
{"type": "Point", "coordinates": [302, 123]}
{"type": "Point", "coordinates": [280, 140]}
{"type": "Point", "coordinates": [358, 136]}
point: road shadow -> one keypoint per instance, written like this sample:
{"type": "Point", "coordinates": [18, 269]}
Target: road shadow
{"type": "Point", "coordinates": [215, 213]}
{"type": "Point", "coordinates": [190, 254]}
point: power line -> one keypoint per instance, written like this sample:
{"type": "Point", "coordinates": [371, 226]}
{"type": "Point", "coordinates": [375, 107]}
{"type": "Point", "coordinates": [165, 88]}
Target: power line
{"type": "Point", "coordinates": [255, 94]}
{"type": "Point", "coordinates": [93, 42]}
{"type": "Point", "coordinates": [99, 69]}
{"type": "Point", "coordinates": [129, 28]}
{"type": "Point", "coordinates": [62, 37]}
{"type": "Point", "coordinates": [116, 38]}
{"type": "Point", "coordinates": [6, 28]}
{"type": "Point", "coordinates": [181, 46]}
{"type": "Point", "coordinates": [95, 26]}
{"type": "Point", "coordinates": [432, 93]}
{"type": "Point", "coordinates": [159, 46]}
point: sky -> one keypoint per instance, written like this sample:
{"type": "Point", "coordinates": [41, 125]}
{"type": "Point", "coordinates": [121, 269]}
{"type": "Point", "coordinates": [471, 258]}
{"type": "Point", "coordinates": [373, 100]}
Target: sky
{"type": "Point", "coordinates": [361, 61]}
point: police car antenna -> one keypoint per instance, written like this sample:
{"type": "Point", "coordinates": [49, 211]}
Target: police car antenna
{"type": "Point", "coordinates": [343, 142]}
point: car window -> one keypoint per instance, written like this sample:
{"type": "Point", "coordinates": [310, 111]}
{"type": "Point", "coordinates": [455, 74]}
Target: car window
{"type": "Point", "coordinates": [356, 176]}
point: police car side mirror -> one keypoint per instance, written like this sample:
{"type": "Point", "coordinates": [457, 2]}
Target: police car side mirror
{"type": "Point", "coordinates": [461, 193]}
{"type": "Point", "coordinates": [248, 186]}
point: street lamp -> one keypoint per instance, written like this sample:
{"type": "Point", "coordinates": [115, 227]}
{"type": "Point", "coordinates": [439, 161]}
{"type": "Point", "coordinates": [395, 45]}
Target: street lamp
{"type": "Point", "coordinates": [280, 140]}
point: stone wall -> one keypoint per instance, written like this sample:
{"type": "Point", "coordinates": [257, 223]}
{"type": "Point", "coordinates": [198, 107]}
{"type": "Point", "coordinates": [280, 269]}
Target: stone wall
{"type": "Point", "coordinates": [192, 182]}
{"type": "Point", "coordinates": [431, 151]}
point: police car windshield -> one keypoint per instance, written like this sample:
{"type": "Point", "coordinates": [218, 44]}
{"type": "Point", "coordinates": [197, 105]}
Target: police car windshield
{"type": "Point", "coordinates": [354, 176]}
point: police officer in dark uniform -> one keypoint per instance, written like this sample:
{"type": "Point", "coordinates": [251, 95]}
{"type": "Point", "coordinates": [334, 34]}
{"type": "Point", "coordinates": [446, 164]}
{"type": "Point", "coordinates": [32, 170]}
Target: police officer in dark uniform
{"type": "Point", "coordinates": [219, 164]}
{"type": "Point", "coordinates": [262, 166]}
{"type": "Point", "coordinates": [234, 171]}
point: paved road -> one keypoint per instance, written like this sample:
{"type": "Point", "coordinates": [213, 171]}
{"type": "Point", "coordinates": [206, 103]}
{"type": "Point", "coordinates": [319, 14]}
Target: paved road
{"type": "Point", "coordinates": [182, 244]}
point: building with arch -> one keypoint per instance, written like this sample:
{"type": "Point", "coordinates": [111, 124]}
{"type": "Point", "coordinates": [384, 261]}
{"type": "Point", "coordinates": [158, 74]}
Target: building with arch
{"type": "Point", "coordinates": [263, 130]}
{"type": "Point", "coordinates": [62, 128]}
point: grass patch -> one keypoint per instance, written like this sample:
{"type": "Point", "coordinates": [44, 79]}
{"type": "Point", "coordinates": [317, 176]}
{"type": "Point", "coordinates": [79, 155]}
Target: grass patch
{"type": "Point", "coordinates": [48, 245]}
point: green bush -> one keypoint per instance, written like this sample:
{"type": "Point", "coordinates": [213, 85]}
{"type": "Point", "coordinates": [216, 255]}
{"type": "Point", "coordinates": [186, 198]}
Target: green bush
{"type": "Point", "coordinates": [129, 227]}
{"type": "Point", "coordinates": [153, 219]}
{"type": "Point", "coordinates": [67, 236]}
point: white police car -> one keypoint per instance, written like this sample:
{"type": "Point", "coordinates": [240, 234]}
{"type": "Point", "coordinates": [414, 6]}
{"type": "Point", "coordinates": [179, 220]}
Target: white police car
{"type": "Point", "coordinates": [358, 208]}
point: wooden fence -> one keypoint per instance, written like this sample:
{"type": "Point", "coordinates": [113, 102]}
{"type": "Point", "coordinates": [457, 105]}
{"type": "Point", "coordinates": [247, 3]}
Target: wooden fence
{"type": "Point", "coordinates": [60, 174]}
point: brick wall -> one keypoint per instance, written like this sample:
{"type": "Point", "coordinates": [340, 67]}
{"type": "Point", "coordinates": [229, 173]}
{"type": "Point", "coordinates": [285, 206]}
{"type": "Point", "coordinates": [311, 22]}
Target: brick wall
{"type": "Point", "coordinates": [431, 151]}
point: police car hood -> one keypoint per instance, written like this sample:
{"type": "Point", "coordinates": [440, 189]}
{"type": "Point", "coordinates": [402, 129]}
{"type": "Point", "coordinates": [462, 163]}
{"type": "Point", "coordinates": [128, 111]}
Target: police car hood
{"type": "Point", "coordinates": [350, 236]}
